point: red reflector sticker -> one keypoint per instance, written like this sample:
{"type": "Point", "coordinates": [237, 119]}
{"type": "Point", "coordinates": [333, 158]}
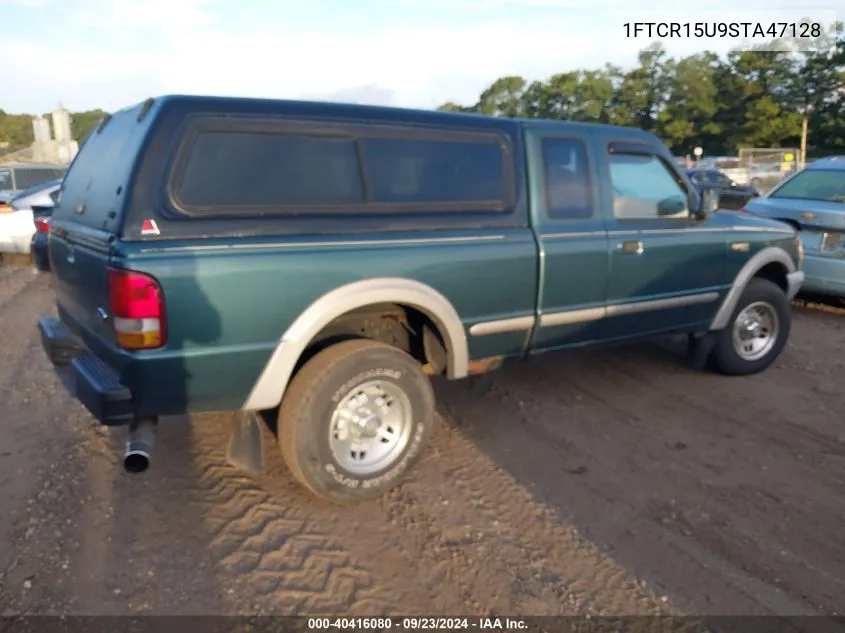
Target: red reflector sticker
{"type": "Point", "coordinates": [149, 227]}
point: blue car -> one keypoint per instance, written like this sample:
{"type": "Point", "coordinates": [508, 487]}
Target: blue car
{"type": "Point", "coordinates": [813, 201]}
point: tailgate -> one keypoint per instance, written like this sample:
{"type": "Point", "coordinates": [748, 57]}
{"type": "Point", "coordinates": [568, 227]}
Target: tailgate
{"type": "Point", "coordinates": [80, 257]}
{"type": "Point", "coordinates": [86, 222]}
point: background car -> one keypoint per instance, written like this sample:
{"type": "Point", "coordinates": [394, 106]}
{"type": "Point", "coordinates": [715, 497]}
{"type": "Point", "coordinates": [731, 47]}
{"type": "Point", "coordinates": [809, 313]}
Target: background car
{"type": "Point", "coordinates": [731, 194]}
{"type": "Point", "coordinates": [16, 178]}
{"type": "Point", "coordinates": [39, 246]}
{"type": "Point", "coordinates": [18, 228]}
{"type": "Point", "coordinates": [764, 177]}
{"type": "Point", "coordinates": [730, 166]}
{"type": "Point", "coordinates": [813, 201]}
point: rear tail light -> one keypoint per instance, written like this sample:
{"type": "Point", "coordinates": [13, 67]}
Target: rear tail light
{"type": "Point", "coordinates": [137, 307]}
{"type": "Point", "coordinates": [42, 225]}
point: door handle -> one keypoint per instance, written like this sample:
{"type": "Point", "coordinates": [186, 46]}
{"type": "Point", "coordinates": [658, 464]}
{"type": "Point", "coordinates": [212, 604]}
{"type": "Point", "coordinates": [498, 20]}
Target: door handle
{"type": "Point", "coordinates": [632, 247]}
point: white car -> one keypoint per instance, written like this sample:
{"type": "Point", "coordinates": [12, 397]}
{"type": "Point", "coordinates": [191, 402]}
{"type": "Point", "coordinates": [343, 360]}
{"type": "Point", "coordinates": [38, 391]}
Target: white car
{"type": "Point", "coordinates": [18, 227]}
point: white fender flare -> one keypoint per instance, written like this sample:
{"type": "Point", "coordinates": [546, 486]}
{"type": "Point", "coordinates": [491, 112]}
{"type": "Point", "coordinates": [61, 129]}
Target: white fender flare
{"type": "Point", "coordinates": [271, 385]}
{"type": "Point", "coordinates": [769, 255]}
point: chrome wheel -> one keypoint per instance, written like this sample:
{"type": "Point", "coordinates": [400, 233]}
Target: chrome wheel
{"type": "Point", "coordinates": [755, 331]}
{"type": "Point", "coordinates": [370, 427]}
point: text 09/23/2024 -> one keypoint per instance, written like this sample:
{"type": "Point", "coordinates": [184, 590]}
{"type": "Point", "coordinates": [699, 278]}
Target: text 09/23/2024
{"type": "Point", "coordinates": [737, 30]}
{"type": "Point", "coordinates": [421, 623]}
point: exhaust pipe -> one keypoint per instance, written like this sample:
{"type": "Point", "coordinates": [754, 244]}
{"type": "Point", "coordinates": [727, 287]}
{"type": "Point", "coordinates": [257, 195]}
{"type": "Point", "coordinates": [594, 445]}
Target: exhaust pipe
{"type": "Point", "coordinates": [139, 445]}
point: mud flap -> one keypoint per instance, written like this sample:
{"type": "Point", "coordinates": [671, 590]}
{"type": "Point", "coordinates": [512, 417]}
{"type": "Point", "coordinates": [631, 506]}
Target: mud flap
{"type": "Point", "coordinates": [700, 348]}
{"type": "Point", "coordinates": [245, 444]}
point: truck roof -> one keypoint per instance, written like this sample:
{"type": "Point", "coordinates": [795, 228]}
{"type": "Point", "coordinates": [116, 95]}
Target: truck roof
{"type": "Point", "coordinates": [378, 112]}
{"type": "Point", "coordinates": [330, 109]}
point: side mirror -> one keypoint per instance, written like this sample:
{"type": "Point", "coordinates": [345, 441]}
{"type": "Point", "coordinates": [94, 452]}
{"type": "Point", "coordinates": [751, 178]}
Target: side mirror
{"type": "Point", "coordinates": [671, 206]}
{"type": "Point", "coordinates": [709, 200]}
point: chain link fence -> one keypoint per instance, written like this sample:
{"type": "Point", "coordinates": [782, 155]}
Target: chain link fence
{"type": "Point", "coordinates": [18, 177]}
{"type": "Point", "coordinates": [764, 167]}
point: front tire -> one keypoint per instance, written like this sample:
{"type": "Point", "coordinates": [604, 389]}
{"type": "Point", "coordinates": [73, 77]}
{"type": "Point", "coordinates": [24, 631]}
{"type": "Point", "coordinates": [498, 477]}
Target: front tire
{"type": "Point", "coordinates": [756, 333]}
{"type": "Point", "coordinates": [355, 420]}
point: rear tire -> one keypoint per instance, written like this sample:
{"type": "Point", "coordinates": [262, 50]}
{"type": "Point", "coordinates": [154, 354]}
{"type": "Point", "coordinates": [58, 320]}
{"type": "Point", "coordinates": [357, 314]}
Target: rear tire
{"type": "Point", "coordinates": [756, 333]}
{"type": "Point", "coordinates": [355, 420]}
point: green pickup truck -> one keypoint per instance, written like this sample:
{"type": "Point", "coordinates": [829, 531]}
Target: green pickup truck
{"type": "Point", "coordinates": [323, 261]}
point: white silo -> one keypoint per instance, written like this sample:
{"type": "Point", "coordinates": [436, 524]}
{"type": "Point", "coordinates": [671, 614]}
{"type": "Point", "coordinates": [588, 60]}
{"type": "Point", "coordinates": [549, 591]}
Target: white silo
{"type": "Point", "coordinates": [41, 129]}
{"type": "Point", "coordinates": [61, 124]}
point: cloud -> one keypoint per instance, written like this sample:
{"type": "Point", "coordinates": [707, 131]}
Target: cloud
{"type": "Point", "coordinates": [29, 4]}
{"type": "Point", "coordinates": [484, 4]}
{"type": "Point", "coordinates": [161, 15]}
{"type": "Point", "coordinates": [116, 52]}
{"type": "Point", "coordinates": [369, 94]}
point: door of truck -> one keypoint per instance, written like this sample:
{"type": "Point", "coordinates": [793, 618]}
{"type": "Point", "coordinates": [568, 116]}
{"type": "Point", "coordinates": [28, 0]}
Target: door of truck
{"type": "Point", "coordinates": [667, 268]}
{"type": "Point", "coordinates": [571, 236]}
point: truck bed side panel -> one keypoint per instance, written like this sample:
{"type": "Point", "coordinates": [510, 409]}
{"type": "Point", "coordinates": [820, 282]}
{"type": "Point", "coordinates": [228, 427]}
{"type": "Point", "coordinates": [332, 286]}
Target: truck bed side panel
{"type": "Point", "coordinates": [228, 308]}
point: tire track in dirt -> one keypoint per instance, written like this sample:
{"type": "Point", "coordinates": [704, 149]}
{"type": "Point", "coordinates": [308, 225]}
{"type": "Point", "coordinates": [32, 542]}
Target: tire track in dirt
{"type": "Point", "coordinates": [598, 584]}
{"type": "Point", "coordinates": [470, 561]}
{"type": "Point", "coordinates": [565, 571]}
{"type": "Point", "coordinates": [285, 561]}
{"type": "Point", "coordinates": [33, 427]}
{"type": "Point", "coordinates": [637, 394]}
{"type": "Point", "coordinates": [15, 284]}
{"type": "Point", "coordinates": [747, 498]}
{"type": "Point", "coordinates": [413, 540]}
{"type": "Point", "coordinates": [598, 431]}
{"type": "Point", "coordinates": [675, 513]}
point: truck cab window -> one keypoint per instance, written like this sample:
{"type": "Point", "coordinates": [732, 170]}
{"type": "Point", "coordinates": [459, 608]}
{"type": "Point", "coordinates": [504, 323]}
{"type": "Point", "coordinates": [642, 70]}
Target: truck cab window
{"type": "Point", "coordinates": [567, 179]}
{"type": "Point", "coordinates": [643, 188]}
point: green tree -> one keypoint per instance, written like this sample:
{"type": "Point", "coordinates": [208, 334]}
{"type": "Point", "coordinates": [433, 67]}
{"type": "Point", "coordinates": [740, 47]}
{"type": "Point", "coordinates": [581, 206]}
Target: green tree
{"type": "Point", "coordinates": [643, 91]}
{"type": "Point", "coordinates": [687, 119]}
{"type": "Point", "coordinates": [817, 86]}
{"type": "Point", "coordinates": [16, 129]}
{"type": "Point", "coordinates": [504, 97]}
{"type": "Point", "coordinates": [83, 122]}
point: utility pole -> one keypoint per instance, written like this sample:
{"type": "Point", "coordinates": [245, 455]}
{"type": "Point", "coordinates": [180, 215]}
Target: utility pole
{"type": "Point", "coordinates": [803, 156]}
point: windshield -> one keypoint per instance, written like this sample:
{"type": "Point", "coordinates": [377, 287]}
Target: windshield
{"type": "Point", "coordinates": [5, 180]}
{"type": "Point", "coordinates": [825, 185]}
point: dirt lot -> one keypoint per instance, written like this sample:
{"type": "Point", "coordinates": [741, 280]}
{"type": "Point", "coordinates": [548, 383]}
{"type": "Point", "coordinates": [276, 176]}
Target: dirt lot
{"type": "Point", "coordinates": [613, 482]}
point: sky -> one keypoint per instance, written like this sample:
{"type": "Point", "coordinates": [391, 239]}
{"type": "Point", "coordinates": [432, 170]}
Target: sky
{"type": "Point", "coordinates": [108, 54]}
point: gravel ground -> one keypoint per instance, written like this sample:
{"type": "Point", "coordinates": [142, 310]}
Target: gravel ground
{"type": "Point", "coordinates": [598, 482]}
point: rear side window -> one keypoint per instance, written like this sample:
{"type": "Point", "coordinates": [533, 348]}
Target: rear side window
{"type": "Point", "coordinates": [423, 171]}
{"type": "Point", "coordinates": [566, 172]}
{"type": "Point", "coordinates": [5, 180]}
{"type": "Point", "coordinates": [254, 167]}
{"type": "Point", "coordinates": [270, 170]}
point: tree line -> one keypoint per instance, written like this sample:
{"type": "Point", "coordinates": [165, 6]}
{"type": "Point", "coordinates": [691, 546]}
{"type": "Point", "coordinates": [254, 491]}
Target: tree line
{"type": "Point", "coordinates": [750, 98]}
{"type": "Point", "coordinates": [16, 129]}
